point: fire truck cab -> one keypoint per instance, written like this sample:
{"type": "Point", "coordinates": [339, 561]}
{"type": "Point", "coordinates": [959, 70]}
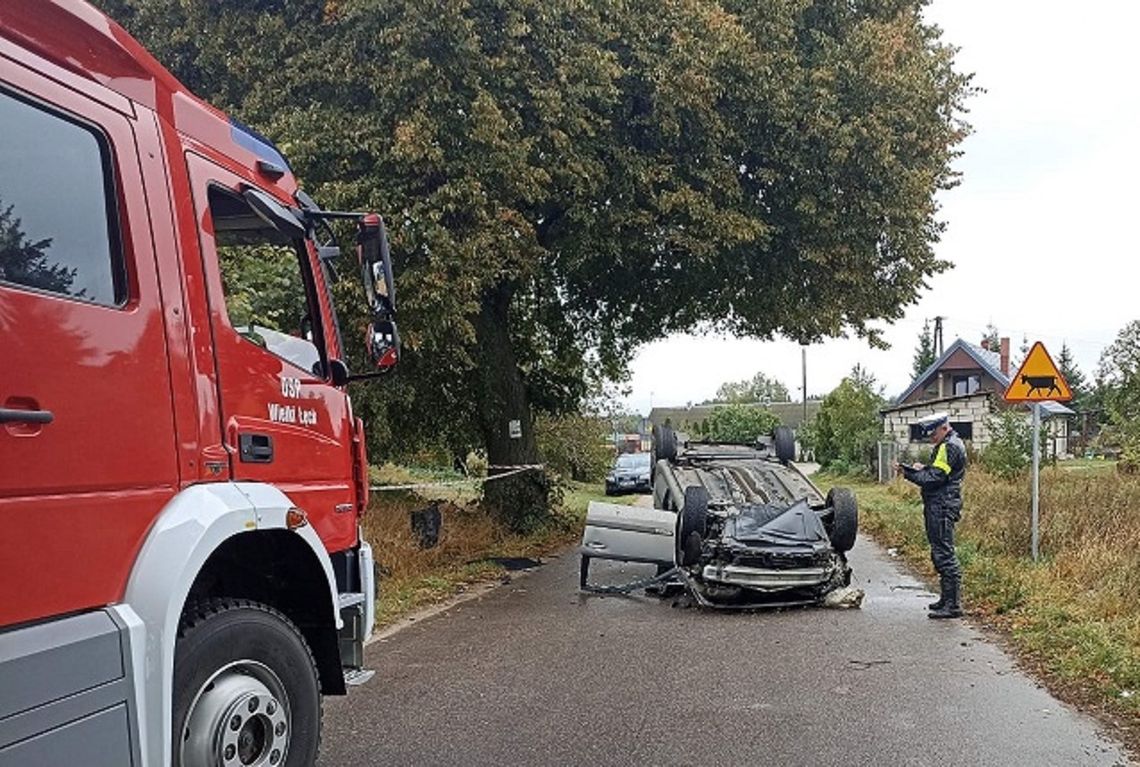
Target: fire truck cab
{"type": "Point", "coordinates": [182, 573]}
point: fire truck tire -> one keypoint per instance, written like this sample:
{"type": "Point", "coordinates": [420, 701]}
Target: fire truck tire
{"type": "Point", "coordinates": [245, 688]}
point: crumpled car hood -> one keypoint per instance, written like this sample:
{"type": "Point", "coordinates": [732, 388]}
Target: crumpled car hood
{"type": "Point", "coordinates": [797, 525]}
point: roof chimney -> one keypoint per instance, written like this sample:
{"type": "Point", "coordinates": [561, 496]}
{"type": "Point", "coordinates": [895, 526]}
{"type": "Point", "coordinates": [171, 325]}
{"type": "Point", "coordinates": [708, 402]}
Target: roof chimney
{"type": "Point", "coordinates": [1005, 356]}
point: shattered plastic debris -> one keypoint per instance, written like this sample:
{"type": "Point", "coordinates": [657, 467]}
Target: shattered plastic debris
{"type": "Point", "coordinates": [844, 598]}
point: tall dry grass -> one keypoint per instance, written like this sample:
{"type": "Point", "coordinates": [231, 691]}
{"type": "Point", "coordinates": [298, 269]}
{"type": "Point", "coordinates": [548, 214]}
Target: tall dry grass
{"type": "Point", "coordinates": [1089, 531]}
{"type": "Point", "coordinates": [470, 542]}
{"type": "Point", "coordinates": [1074, 614]}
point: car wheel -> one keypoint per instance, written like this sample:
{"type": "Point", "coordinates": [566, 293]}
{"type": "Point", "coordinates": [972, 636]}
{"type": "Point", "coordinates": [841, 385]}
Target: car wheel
{"type": "Point", "coordinates": [784, 440]}
{"type": "Point", "coordinates": [664, 443]}
{"type": "Point", "coordinates": [660, 494]}
{"type": "Point", "coordinates": [245, 688]}
{"type": "Point", "coordinates": [844, 518]}
{"type": "Point", "coordinates": [692, 524]}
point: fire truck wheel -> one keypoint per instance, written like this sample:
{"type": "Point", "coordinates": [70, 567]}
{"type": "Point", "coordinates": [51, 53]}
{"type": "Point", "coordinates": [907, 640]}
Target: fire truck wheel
{"type": "Point", "coordinates": [245, 688]}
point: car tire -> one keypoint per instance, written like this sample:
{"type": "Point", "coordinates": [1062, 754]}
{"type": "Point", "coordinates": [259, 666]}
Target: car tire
{"type": "Point", "coordinates": [692, 521]}
{"type": "Point", "coordinates": [239, 662]}
{"type": "Point", "coordinates": [660, 493]}
{"type": "Point", "coordinates": [784, 441]}
{"type": "Point", "coordinates": [664, 443]}
{"type": "Point", "coordinates": [844, 518]}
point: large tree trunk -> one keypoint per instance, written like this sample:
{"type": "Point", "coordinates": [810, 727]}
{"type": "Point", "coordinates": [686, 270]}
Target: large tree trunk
{"type": "Point", "coordinates": [522, 500]}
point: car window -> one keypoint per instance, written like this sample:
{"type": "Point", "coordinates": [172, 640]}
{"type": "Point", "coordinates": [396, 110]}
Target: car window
{"type": "Point", "coordinates": [632, 460]}
{"type": "Point", "coordinates": [58, 227]}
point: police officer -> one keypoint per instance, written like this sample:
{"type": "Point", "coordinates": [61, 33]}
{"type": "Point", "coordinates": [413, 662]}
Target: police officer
{"type": "Point", "coordinates": [941, 484]}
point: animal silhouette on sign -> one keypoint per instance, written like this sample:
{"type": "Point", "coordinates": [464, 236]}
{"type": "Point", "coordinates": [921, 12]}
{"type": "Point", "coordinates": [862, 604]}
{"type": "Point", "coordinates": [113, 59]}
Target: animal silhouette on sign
{"type": "Point", "coordinates": [1047, 384]}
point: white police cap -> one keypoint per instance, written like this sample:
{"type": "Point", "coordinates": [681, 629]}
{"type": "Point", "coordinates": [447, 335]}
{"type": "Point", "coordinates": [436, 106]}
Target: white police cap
{"type": "Point", "coordinates": [931, 422]}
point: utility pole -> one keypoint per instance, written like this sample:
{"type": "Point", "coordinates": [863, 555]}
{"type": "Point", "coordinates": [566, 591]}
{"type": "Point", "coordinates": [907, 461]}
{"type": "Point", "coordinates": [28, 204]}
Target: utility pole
{"type": "Point", "coordinates": [938, 336]}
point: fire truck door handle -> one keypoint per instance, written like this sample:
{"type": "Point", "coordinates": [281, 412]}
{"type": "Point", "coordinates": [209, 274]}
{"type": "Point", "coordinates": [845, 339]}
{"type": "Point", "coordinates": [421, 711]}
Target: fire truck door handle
{"type": "Point", "coordinates": [255, 448]}
{"type": "Point", "coordinates": [12, 415]}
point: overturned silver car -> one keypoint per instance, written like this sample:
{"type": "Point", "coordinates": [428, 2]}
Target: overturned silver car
{"type": "Point", "coordinates": [738, 525]}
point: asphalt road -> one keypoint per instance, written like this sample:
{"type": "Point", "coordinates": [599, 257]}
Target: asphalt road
{"type": "Point", "coordinates": [535, 673]}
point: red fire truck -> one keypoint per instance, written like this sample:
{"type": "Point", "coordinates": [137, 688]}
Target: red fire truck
{"type": "Point", "coordinates": [182, 574]}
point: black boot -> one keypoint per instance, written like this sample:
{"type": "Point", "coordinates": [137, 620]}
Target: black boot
{"type": "Point", "coordinates": [951, 608]}
{"type": "Point", "coordinates": [941, 596]}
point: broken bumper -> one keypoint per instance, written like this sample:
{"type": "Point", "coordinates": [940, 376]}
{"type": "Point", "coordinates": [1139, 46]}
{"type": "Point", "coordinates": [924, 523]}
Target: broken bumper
{"type": "Point", "coordinates": [767, 579]}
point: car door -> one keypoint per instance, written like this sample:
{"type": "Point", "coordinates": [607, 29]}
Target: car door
{"type": "Point", "coordinates": [283, 421]}
{"type": "Point", "coordinates": [87, 447]}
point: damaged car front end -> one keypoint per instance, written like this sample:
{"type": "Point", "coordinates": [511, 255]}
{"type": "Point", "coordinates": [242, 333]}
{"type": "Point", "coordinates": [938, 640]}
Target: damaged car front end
{"type": "Point", "coordinates": [748, 527]}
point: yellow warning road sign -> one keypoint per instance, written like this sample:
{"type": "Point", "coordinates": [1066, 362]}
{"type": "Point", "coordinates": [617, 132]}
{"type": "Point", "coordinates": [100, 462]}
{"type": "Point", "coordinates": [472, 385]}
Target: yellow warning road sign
{"type": "Point", "coordinates": [1038, 379]}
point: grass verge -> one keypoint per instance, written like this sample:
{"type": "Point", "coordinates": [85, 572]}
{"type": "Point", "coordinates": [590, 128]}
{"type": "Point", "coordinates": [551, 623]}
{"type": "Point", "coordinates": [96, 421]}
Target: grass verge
{"type": "Point", "coordinates": [411, 578]}
{"type": "Point", "coordinates": [1072, 617]}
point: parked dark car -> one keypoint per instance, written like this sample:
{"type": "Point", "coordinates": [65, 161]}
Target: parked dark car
{"type": "Point", "coordinates": [630, 474]}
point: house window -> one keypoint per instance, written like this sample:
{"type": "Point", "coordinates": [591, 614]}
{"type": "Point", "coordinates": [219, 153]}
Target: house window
{"type": "Point", "coordinates": [965, 429]}
{"type": "Point", "coordinates": [966, 384]}
{"type": "Point", "coordinates": [916, 434]}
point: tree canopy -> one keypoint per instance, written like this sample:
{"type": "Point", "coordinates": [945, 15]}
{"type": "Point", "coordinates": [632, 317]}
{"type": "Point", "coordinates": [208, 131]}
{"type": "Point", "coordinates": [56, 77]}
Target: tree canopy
{"type": "Point", "coordinates": [568, 179]}
{"type": "Point", "coordinates": [843, 433]}
{"type": "Point", "coordinates": [1118, 382]}
{"type": "Point", "coordinates": [758, 388]}
{"type": "Point", "coordinates": [991, 337]}
{"type": "Point", "coordinates": [924, 355]}
{"type": "Point", "coordinates": [738, 423]}
{"type": "Point", "coordinates": [1074, 378]}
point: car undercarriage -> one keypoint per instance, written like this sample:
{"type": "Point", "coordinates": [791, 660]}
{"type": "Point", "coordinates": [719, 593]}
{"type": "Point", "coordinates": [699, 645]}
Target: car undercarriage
{"type": "Point", "coordinates": [737, 525]}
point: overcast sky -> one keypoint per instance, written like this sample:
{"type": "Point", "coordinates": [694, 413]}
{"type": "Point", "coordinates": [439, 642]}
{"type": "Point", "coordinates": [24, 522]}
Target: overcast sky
{"type": "Point", "coordinates": [1042, 229]}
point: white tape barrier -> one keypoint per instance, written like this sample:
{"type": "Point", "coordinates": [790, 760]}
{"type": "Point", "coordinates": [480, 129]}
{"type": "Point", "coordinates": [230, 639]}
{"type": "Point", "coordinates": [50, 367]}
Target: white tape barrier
{"type": "Point", "coordinates": [511, 471]}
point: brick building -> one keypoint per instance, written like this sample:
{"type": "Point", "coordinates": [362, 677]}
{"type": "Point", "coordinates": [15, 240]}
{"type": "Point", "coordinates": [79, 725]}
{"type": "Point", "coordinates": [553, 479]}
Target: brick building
{"type": "Point", "coordinates": [967, 382]}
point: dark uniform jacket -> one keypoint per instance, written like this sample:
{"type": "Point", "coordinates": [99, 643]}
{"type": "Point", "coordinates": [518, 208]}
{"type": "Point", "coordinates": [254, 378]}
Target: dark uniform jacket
{"type": "Point", "coordinates": [941, 479]}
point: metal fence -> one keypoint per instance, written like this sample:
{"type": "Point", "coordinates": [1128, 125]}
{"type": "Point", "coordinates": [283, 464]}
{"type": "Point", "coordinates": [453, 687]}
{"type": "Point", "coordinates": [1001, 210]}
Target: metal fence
{"type": "Point", "coordinates": [886, 454]}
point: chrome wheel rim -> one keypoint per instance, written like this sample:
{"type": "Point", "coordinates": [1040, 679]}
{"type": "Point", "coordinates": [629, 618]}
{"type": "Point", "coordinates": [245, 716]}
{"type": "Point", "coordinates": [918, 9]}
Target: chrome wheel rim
{"type": "Point", "coordinates": [240, 717]}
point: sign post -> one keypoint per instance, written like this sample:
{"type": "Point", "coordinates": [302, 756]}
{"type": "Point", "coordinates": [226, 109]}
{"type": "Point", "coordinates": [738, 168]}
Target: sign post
{"type": "Point", "coordinates": [1036, 475]}
{"type": "Point", "coordinates": [1037, 380]}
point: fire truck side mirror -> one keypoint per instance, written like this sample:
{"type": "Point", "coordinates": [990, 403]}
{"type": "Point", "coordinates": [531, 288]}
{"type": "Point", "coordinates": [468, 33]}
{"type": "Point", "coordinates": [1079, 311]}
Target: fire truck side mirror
{"type": "Point", "coordinates": [376, 264]}
{"type": "Point", "coordinates": [375, 258]}
{"type": "Point", "coordinates": [383, 344]}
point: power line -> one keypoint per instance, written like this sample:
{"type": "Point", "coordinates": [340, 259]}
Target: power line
{"type": "Point", "coordinates": [1035, 334]}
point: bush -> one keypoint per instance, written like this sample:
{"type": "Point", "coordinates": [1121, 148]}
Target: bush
{"type": "Point", "coordinates": [1011, 441]}
{"type": "Point", "coordinates": [575, 446]}
{"type": "Point", "coordinates": [737, 423]}
{"type": "Point", "coordinates": [1010, 451]}
{"type": "Point", "coordinates": [844, 432]}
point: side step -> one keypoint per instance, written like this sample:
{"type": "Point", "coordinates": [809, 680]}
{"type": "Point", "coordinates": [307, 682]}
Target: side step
{"type": "Point", "coordinates": [357, 677]}
{"type": "Point", "coordinates": [352, 635]}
